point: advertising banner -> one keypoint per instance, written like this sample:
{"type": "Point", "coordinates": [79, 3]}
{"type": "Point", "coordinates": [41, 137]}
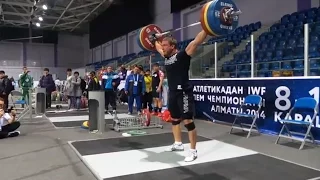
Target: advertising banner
{"type": "Point", "coordinates": [217, 100]}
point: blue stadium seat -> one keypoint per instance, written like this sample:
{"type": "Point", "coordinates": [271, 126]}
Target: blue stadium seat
{"type": "Point", "coordinates": [264, 67]}
{"type": "Point", "coordinates": [290, 26]}
{"type": "Point", "coordinates": [288, 54]}
{"type": "Point", "coordinates": [299, 53]}
{"type": "Point", "coordinates": [275, 66]}
{"type": "Point", "coordinates": [293, 19]}
{"type": "Point", "coordinates": [314, 63]}
{"type": "Point", "coordinates": [298, 73]}
{"type": "Point", "coordinates": [257, 25]}
{"type": "Point", "coordinates": [286, 65]}
{"type": "Point", "coordinates": [268, 56]}
{"type": "Point", "coordinates": [272, 45]}
{"type": "Point", "coordinates": [278, 55]}
{"type": "Point", "coordinates": [281, 44]}
{"type": "Point", "coordinates": [314, 51]}
{"type": "Point", "coordinates": [261, 74]}
{"type": "Point", "coordinates": [314, 72]}
{"type": "Point", "coordinates": [314, 40]}
{"type": "Point", "coordinates": [291, 44]}
{"type": "Point", "coordinates": [298, 65]}
{"type": "Point", "coordinates": [285, 19]}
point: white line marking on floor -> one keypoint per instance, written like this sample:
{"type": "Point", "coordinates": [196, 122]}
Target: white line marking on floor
{"type": "Point", "coordinates": [108, 165]}
{"type": "Point", "coordinates": [84, 118]}
{"type": "Point", "coordinates": [316, 178]}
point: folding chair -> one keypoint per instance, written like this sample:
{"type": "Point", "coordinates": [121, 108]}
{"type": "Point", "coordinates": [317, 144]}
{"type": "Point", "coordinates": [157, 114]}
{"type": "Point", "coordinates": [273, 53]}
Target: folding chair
{"type": "Point", "coordinates": [16, 100]}
{"type": "Point", "coordinates": [252, 103]}
{"type": "Point", "coordinates": [302, 105]}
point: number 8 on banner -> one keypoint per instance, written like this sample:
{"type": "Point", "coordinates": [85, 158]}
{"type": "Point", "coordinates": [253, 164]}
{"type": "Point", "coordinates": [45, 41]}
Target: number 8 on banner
{"type": "Point", "coordinates": [283, 94]}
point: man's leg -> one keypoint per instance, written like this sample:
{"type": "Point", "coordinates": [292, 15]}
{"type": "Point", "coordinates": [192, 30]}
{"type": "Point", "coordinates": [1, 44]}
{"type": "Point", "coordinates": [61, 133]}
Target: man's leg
{"type": "Point", "coordinates": [138, 101]}
{"type": "Point", "coordinates": [159, 104]}
{"type": "Point", "coordinates": [130, 103]}
{"type": "Point", "coordinates": [49, 98]}
{"type": "Point", "coordinates": [188, 113]}
{"type": "Point", "coordinates": [112, 100]}
{"type": "Point", "coordinates": [9, 130]}
{"type": "Point", "coordinates": [6, 101]}
{"type": "Point", "coordinates": [176, 129]}
{"type": "Point", "coordinates": [149, 101]}
{"type": "Point", "coordinates": [106, 100]}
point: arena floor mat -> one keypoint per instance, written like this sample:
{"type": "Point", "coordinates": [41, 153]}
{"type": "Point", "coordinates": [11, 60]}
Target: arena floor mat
{"type": "Point", "coordinates": [143, 157]}
{"type": "Point", "coordinates": [68, 120]}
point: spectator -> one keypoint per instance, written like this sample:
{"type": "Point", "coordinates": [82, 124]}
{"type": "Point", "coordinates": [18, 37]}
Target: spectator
{"type": "Point", "coordinates": [47, 82]}
{"type": "Point", "coordinates": [76, 89]}
{"type": "Point", "coordinates": [93, 84]}
{"type": "Point", "coordinates": [122, 73]}
{"type": "Point", "coordinates": [8, 123]}
{"type": "Point", "coordinates": [110, 82]}
{"type": "Point", "coordinates": [68, 90]}
{"type": "Point", "coordinates": [26, 83]}
{"type": "Point", "coordinates": [135, 88]}
{"type": "Point", "coordinates": [147, 97]}
{"type": "Point", "coordinates": [5, 88]}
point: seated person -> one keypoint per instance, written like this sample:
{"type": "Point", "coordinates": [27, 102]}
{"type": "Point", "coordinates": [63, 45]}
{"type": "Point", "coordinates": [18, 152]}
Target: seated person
{"type": "Point", "coordinates": [8, 123]}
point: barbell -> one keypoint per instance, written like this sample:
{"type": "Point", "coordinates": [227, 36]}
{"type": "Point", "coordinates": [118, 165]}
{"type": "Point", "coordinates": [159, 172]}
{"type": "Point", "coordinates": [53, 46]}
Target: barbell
{"type": "Point", "coordinates": [217, 18]}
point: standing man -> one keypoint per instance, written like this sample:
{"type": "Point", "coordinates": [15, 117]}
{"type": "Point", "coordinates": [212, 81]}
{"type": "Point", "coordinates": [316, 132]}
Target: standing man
{"type": "Point", "coordinates": [148, 92]}
{"type": "Point", "coordinates": [157, 81]}
{"type": "Point", "coordinates": [181, 102]}
{"type": "Point", "coordinates": [5, 88]}
{"type": "Point", "coordinates": [68, 91]}
{"type": "Point", "coordinates": [26, 83]}
{"type": "Point", "coordinates": [76, 88]}
{"type": "Point", "coordinates": [47, 82]}
{"type": "Point", "coordinates": [110, 82]}
{"type": "Point", "coordinates": [135, 88]}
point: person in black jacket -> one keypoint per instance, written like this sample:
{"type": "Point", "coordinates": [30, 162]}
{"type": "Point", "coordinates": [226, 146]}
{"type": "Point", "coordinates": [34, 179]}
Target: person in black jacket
{"type": "Point", "coordinates": [93, 84]}
{"type": "Point", "coordinates": [5, 88]}
{"type": "Point", "coordinates": [47, 82]}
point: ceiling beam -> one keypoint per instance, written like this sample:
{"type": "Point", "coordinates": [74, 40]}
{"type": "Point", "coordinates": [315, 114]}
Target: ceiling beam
{"type": "Point", "coordinates": [92, 11]}
{"type": "Point", "coordinates": [44, 24]}
{"type": "Point", "coordinates": [55, 8]}
{"type": "Point", "coordinates": [62, 14]}
{"type": "Point", "coordinates": [71, 18]}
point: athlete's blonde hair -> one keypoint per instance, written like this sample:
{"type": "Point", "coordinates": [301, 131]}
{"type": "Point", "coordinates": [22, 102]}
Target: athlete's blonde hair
{"type": "Point", "coordinates": [171, 40]}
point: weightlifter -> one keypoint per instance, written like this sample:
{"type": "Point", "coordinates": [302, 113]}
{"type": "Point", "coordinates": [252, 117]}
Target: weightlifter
{"type": "Point", "coordinates": [181, 102]}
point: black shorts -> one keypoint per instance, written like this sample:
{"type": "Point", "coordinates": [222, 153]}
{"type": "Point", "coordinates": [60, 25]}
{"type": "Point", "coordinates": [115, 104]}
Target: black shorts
{"type": "Point", "coordinates": [181, 104]}
{"type": "Point", "coordinates": [156, 94]}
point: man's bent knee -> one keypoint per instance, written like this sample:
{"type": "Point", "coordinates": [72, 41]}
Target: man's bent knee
{"type": "Point", "coordinates": [190, 126]}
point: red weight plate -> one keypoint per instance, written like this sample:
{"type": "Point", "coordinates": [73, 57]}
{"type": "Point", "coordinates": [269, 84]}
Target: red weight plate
{"type": "Point", "coordinates": [144, 36]}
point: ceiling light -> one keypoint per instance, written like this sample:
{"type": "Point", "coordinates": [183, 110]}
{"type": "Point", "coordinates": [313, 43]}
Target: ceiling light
{"type": "Point", "coordinates": [38, 24]}
{"type": "Point", "coordinates": [40, 18]}
{"type": "Point", "coordinates": [44, 7]}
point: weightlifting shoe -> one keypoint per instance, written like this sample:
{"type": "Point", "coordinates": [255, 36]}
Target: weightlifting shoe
{"type": "Point", "coordinates": [175, 147]}
{"type": "Point", "coordinates": [192, 155]}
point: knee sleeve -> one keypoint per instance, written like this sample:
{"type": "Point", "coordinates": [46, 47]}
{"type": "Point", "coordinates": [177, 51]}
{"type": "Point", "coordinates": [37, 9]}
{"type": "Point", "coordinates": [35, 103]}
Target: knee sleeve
{"type": "Point", "coordinates": [190, 126]}
{"type": "Point", "coordinates": [175, 122]}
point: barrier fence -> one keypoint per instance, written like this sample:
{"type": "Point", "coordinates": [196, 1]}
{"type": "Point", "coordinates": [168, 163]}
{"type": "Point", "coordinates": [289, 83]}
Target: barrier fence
{"type": "Point", "coordinates": [281, 66]}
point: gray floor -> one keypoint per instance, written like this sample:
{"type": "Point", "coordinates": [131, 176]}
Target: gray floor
{"type": "Point", "coordinates": [42, 153]}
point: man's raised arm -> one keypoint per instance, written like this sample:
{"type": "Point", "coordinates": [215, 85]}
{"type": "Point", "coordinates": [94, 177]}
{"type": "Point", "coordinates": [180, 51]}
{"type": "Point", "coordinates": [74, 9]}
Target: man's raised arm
{"type": "Point", "coordinates": [192, 46]}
